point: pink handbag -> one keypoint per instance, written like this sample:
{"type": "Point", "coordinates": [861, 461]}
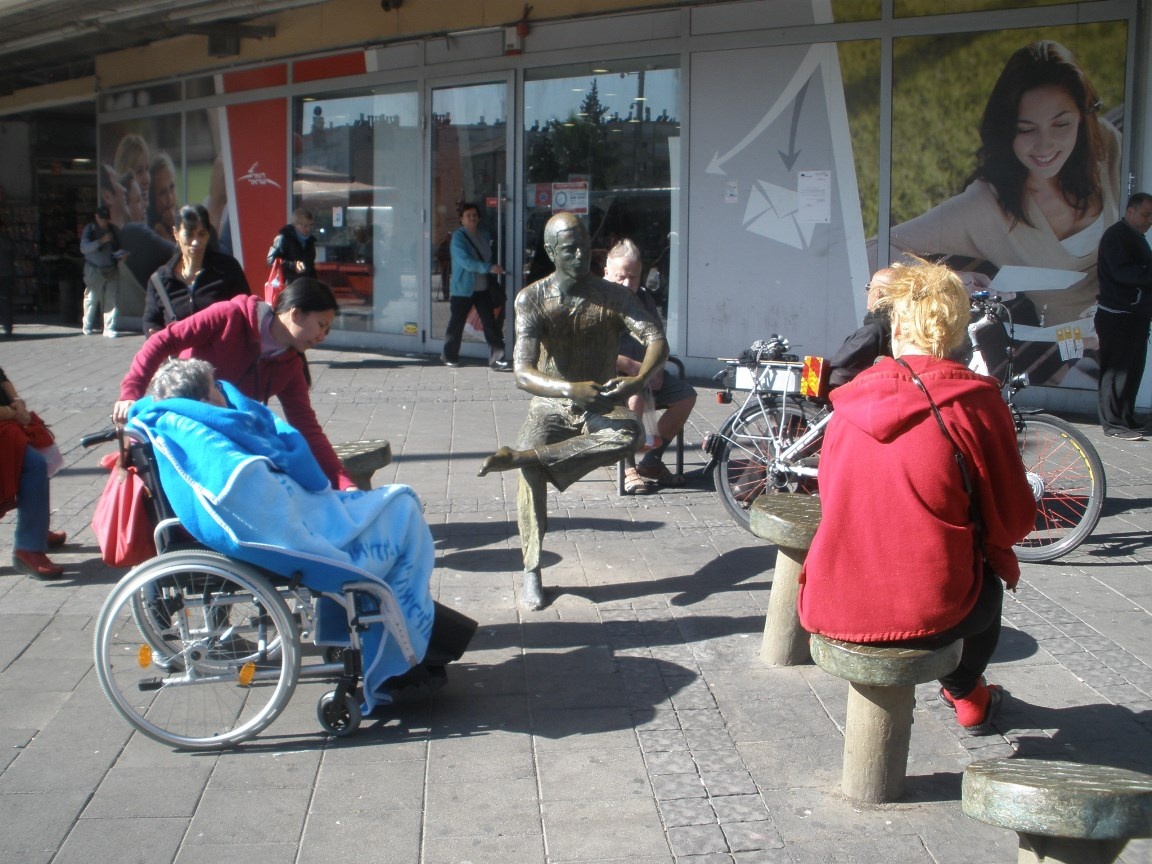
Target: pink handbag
{"type": "Point", "coordinates": [121, 522]}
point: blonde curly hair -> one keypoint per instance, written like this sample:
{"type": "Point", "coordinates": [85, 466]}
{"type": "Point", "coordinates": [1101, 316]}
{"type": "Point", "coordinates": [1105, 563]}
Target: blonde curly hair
{"type": "Point", "coordinates": [930, 305]}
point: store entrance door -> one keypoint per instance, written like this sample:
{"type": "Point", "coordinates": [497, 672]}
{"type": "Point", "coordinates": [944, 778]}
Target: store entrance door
{"type": "Point", "coordinates": [470, 142]}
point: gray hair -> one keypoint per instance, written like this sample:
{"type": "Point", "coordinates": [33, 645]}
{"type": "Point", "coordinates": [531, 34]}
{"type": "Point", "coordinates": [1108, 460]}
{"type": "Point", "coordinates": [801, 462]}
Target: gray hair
{"type": "Point", "coordinates": [625, 249]}
{"type": "Point", "coordinates": [183, 379]}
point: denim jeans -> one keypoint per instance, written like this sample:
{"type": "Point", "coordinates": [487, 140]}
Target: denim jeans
{"type": "Point", "coordinates": [32, 504]}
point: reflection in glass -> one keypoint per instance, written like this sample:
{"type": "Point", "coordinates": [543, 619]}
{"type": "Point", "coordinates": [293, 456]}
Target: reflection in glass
{"type": "Point", "coordinates": [353, 169]}
{"type": "Point", "coordinates": [469, 163]}
{"type": "Point", "coordinates": [610, 130]}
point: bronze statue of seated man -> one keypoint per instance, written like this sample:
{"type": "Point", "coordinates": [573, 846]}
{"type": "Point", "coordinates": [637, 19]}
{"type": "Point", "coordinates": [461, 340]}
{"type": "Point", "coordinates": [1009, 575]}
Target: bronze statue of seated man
{"type": "Point", "coordinates": [568, 328]}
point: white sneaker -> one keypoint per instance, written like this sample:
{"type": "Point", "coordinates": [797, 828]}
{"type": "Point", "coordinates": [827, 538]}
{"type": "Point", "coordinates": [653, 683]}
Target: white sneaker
{"type": "Point", "coordinates": [111, 334]}
{"type": "Point", "coordinates": [87, 331]}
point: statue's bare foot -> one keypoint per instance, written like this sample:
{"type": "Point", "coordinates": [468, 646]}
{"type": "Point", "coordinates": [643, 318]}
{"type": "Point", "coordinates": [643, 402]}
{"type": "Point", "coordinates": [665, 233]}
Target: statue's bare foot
{"type": "Point", "coordinates": [501, 460]}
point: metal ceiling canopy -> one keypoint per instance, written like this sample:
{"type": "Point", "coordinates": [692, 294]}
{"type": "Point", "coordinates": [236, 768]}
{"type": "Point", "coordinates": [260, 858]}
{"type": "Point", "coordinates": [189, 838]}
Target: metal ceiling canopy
{"type": "Point", "coordinates": [45, 41]}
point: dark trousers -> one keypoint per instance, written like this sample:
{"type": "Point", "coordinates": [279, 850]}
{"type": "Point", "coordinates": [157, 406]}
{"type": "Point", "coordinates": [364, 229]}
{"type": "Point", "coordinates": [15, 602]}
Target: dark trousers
{"type": "Point", "coordinates": [980, 630]}
{"type": "Point", "coordinates": [1123, 351]}
{"type": "Point", "coordinates": [459, 307]}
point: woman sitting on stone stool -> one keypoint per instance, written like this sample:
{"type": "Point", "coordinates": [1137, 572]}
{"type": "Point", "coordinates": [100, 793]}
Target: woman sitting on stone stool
{"type": "Point", "coordinates": [924, 566]}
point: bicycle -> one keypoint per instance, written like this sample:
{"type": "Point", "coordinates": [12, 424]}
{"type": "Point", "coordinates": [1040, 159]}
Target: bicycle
{"type": "Point", "coordinates": [771, 442]}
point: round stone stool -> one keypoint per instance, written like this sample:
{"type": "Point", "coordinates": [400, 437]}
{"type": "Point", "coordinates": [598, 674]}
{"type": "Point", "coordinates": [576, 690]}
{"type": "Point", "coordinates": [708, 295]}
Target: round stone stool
{"type": "Point", "coordinates": [789, 522]}
{"type": "Point", "coordinates": [881, 694]}
{"type": "Point", "coordinates": [1064, 813]}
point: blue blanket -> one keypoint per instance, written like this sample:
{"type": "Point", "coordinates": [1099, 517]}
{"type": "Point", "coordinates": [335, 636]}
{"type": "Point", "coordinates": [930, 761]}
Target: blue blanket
{"type": "Point", "coordinates": [244, 483]}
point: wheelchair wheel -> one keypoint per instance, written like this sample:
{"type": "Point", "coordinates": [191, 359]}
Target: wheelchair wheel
{"type": "Point", "coordinates": [196, 650]}
{"type": "Point", "coordinates": [338, 716]}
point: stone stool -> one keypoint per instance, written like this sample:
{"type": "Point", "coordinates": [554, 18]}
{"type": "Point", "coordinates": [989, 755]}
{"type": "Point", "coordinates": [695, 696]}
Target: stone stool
{"type": "Point", "coordinates": [1064, 813]}
{"type": "Point", "coordinates": [789, 522]}
{"type": "Point", "coordinates": [881, 693]}
{"type": "Point", "coordinates": [362, 459]}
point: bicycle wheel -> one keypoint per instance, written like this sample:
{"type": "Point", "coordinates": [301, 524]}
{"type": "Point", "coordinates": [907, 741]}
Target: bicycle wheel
{"type": "Point", "coordinates": [229, 660]}
{"type": "Point", "coordinates": [749, 442]}
{"type": "Point", "coordinates": [1067, 478]}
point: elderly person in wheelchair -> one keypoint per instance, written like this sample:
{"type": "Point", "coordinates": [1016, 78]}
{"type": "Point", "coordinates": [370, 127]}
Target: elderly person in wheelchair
{"type": "Point", "coordinates": [244, 483]}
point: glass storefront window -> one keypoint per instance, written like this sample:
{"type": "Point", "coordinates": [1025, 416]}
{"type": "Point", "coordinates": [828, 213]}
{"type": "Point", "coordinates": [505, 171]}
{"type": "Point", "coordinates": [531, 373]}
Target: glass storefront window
{"type": "Point", "coordinates": [354, 158]}
{"type": "Point", "coordinates": [601, 140]}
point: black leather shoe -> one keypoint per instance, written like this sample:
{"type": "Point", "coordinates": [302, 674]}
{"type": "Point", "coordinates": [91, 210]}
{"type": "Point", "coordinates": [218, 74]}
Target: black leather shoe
{"type": "Point", "coordinates": [501, 366]}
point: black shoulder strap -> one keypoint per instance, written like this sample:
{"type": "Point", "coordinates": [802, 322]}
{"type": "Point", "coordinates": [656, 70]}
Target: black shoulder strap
{"type": "Point", "coordinates": [966, 478]}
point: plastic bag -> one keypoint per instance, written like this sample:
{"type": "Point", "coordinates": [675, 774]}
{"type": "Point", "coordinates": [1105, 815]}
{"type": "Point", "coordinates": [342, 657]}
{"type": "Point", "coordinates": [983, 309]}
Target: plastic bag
{"type": "Point", "coordinates": [650, 421]}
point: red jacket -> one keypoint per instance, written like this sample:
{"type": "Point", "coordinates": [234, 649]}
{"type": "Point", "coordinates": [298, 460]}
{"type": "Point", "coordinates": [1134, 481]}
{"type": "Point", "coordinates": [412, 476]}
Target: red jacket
{"type": "Point", "coordinates": [893, 558]}
{"type": "Point", "coordinates": [227, 335]}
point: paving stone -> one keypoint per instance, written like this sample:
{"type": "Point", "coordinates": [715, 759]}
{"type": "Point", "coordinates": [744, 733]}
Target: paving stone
{"type": "Point", "coordinates": [750, 836]}
{"type": "Point", "coordinates": [589, 830]}
{"type": "Point", "coordinates": [128, 792]}
{"type": "Point", "coordinates": [671, 786]}
{"type": "Point", "coordinates": [592, 775]}
{"type": "Point", "coordinates": [500, 849]}
{"type": "Point", "coordinates": [329, 837]}
{"type": "Point", "coordinates": [126, 841]}
{"type": "Point", "coordinates": [697, 840]}
{"type": "Point", "coordinates": [36, 823]}
{"type": "Point", "coordinates": [670, 762]}
{"type": "Point", "coordinates": [679, 812]}
{"type": "Point", "coordinates": [728, 783]}
{"type": "Point", "coordinates": [739, 808]}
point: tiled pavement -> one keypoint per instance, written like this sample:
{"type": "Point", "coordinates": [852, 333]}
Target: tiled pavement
{"type": "Point", "coordinates": [631, 720]}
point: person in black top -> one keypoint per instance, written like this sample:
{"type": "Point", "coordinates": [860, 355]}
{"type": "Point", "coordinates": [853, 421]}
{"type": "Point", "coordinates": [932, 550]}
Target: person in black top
{"type": "Point", "coordinates": [296, 247]}
{"type": "Point", "coordinates": [872, 340]}
{"type": "Point", "coordinates": [1123, 311]}
{"type": "Point", "coordinates": [195, 278]}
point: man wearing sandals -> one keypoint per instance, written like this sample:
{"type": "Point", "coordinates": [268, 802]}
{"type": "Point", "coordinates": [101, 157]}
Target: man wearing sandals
{"type": "Point", "coordinates": [671, 393]}
{"type": "Point", "coordinates": [568, 328]}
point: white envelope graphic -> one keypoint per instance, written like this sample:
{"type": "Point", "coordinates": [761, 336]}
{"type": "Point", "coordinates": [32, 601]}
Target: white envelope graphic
{"type": "Point", "coordinates": [771, 213]}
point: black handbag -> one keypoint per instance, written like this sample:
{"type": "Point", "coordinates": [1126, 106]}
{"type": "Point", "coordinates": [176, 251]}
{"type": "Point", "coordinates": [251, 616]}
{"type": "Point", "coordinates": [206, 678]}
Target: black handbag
{"type": "Point", "coordinates": [496, 293]}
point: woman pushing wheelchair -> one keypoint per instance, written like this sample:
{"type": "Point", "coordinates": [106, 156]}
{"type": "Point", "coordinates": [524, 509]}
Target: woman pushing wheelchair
{"type": "Point", "coordinates": [246, 484]}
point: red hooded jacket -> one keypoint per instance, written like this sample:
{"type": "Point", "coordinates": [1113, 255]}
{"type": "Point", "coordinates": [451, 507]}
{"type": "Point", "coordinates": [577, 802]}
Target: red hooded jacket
{"type": "Point", "coordinates": [227, 335]}
{"type": "Point", "coordinates": [893, 558]}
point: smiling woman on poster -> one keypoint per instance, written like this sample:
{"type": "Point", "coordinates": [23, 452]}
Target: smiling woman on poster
{"type": "Point", "coordinates": [1043, 190]}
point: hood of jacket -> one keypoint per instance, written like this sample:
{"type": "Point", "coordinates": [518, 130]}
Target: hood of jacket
{"type": "Point", "coordinates": [883, 401]}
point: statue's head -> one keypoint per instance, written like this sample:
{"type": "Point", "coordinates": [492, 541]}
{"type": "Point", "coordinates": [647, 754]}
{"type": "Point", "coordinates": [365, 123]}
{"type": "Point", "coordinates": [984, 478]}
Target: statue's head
{"type": "Point", "coordinates": [567, 244]}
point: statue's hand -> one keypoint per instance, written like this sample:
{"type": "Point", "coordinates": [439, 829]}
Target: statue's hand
{"type": "Point", "coordinates": [590, 396]}
{"type": "Point", "coordinates": [621, 387]}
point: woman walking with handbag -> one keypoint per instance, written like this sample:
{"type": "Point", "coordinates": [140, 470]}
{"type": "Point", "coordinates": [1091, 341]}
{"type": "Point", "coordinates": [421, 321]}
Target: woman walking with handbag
{"type": "Point", "coordinates": [473, 275]}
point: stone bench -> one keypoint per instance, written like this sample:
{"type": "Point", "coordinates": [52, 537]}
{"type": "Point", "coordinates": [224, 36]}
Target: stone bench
{"type": "Point", "coordinates": [362, 459]}
{"type": "Point", "coordinates": [1063, 812]}
{"type": "Point", "coordinates": [788, 522]}
{"type": "Point", "coordinates": [882, 683]}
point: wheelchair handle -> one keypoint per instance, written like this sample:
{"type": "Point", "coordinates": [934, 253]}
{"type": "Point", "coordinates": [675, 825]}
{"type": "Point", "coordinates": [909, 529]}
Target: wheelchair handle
{"type": "Point", "coordinates": [101, 437]}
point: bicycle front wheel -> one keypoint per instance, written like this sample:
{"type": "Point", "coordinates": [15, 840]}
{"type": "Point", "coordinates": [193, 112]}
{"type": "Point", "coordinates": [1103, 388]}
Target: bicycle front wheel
{"type": "Point", "coordinates": [1067, 478]}
{"type": "Point", "coordinates": [749, 443]}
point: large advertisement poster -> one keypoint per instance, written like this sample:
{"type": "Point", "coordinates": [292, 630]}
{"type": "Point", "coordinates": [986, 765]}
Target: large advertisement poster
{"type": "Point", "coordinates": [1005, 161]}
{"type": "Point", "coordinates": [140, 182]}
{"type": "Point", "coordinates": [1012, 170]}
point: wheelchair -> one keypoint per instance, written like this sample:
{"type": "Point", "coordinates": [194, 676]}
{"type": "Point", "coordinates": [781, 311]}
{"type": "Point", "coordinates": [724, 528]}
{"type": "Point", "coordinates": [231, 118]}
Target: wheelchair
{"type": "Point", "coordinates": [200, 651]}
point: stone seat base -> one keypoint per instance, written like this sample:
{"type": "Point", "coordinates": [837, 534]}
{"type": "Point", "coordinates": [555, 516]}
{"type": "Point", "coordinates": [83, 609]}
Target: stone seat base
{"type": "Point", "coordinates": [881, 695]}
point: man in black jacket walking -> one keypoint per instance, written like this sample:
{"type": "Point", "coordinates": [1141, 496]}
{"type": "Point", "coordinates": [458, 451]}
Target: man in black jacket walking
{"type": "Point", "coordinates": [1124, 309]}
{"type": "Point", "coordinates": [296, 247]}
